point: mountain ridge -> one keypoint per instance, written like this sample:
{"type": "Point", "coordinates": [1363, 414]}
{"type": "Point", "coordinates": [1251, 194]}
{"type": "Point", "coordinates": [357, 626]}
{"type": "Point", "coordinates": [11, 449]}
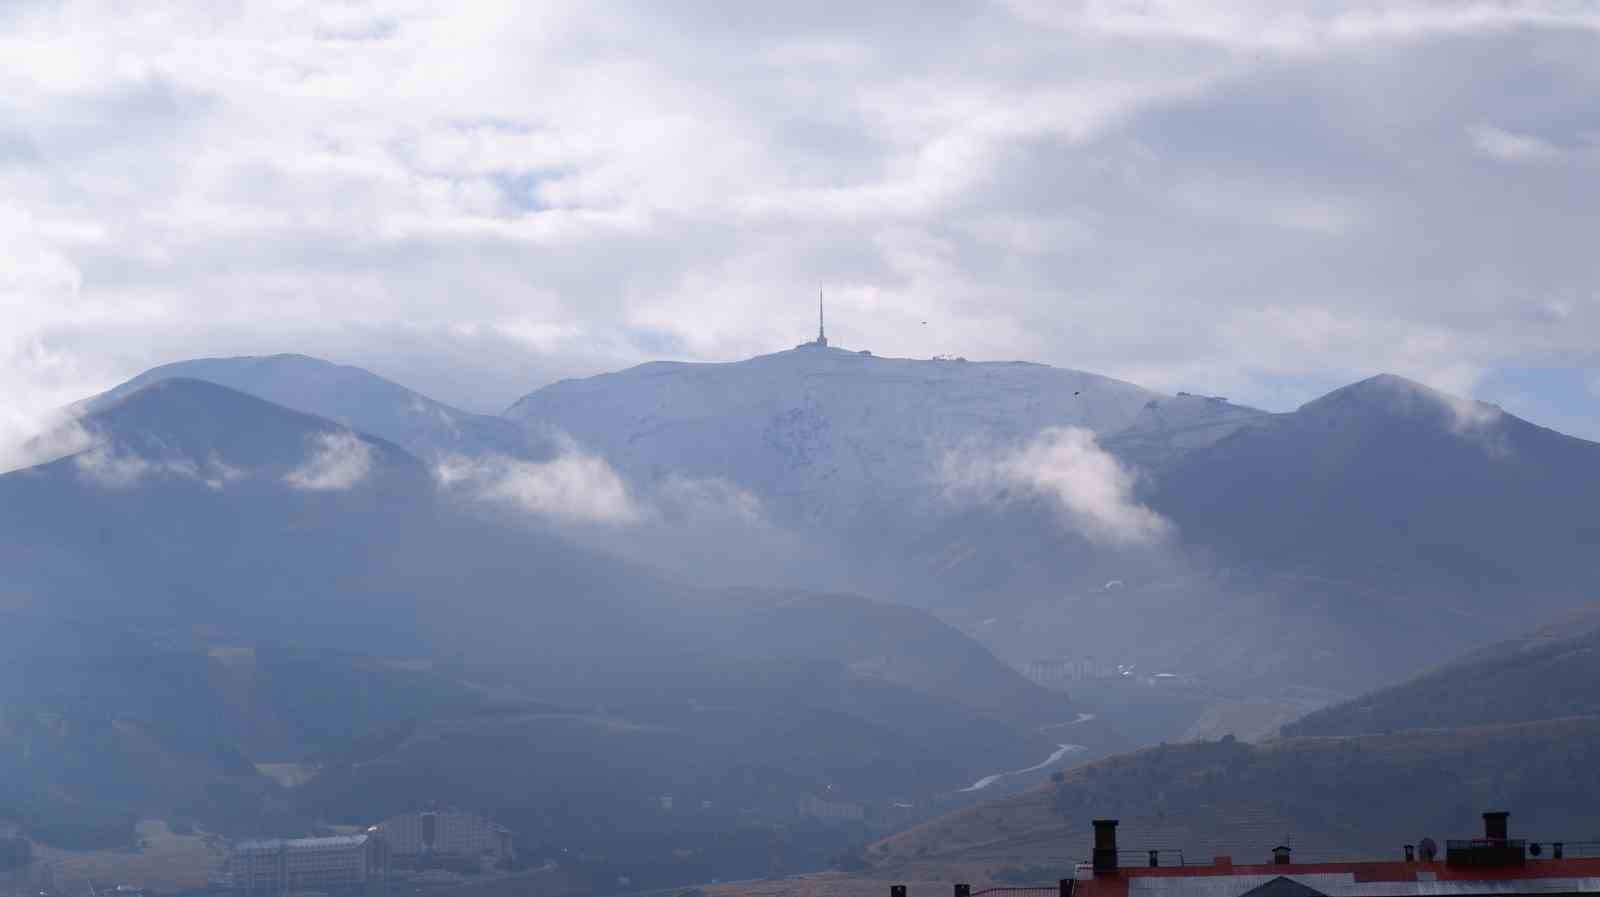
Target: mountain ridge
{"type": "Point", "coordinates": [349, 395]}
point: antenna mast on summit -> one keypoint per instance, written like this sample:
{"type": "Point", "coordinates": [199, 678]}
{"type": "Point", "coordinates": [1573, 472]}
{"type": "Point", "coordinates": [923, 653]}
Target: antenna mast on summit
{"type": "Point", "coordinates": [822, 334]}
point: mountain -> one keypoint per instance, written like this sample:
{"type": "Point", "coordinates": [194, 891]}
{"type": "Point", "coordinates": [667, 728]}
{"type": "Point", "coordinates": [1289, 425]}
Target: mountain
{"type": "Point", "coordinates": [1391, 482]}
{"type": "Point", "coordinates": [1306, 552]}
{"type": "Point", "coordinates": [350, 396]}
{"type": "Point", "coordinates": [242, 484]}
{"type": "Point", "coordinates": [828, 435]}
{"type": "Point", "coordinates": [874, 639]}
{"type": "Point", "coordinates": [1387, 509]}
{"type": "Point", "coordinates": [1300, 552]}
{"type": "Point", "coordinates": [219, 582]}
{"type": "Point", "coordinates": [188, 501]}
{"type": "Point", "coordinates": [1515, 725]}
{"type": "Point", "coordinates": [98, 726]}
{"type": "Point", "coordinates": [1550, 673]}
{"type": "Point", "coordinates": [893, 470]}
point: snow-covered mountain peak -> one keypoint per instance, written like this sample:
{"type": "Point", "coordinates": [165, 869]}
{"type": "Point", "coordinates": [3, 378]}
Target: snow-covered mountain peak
{"type": "Point", "coordinates": [826, 432]}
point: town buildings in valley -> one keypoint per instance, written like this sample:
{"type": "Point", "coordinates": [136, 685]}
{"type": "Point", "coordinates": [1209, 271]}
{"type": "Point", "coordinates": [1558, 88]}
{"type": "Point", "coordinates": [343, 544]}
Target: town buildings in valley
{"type": "Point", "coordinates": [274, 866]}
{"type": "Point", "coordinates": [446, 833]}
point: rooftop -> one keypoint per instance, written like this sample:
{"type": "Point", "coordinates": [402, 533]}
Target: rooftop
{"type": "Point", "coordinates": [301, 843]}
{"type": "Point", "coordinates": [1381, 879]}
{"type": "Point", "coordinates": [1494, 864]}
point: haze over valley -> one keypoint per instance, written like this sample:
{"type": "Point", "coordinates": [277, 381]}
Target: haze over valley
{"type": "Point", "coordinates": [712, 449]}
{"type": "Point", "coordinates": [728, 590]}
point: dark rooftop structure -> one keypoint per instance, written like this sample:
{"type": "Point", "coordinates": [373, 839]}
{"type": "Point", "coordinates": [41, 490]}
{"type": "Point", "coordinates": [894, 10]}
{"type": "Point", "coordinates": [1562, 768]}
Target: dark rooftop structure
{"type": "Point", "coordinates": [1494, 864]}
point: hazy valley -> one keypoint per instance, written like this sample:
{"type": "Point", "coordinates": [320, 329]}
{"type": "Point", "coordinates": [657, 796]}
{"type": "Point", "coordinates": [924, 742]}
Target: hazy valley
{"type": "Point", "coordinates": [686, 622]}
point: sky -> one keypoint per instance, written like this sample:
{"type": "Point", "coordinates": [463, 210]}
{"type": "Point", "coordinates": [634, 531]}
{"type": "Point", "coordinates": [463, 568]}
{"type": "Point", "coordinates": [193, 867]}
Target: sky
{"type": "Point", "coordinates": [1264, 200]}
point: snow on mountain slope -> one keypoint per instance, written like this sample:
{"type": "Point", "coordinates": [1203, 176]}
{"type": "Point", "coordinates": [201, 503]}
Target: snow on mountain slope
{"type": "Point", "coordinates": [829, 435]}
{"type": "Point", "coordinates": [348, 395]}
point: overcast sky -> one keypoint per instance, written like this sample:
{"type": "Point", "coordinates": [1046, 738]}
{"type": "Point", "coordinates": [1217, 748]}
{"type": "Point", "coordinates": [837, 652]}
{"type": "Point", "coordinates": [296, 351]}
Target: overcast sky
{"type": "Point", "coordinates": [1264, 200]}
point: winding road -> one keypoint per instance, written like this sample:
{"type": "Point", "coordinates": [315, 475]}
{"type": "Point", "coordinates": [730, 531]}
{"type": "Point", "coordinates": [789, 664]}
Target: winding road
{"type": "Point", "coordinates": [1081, 718]}
{"type": "Point", "coordinates": [1061, 751]}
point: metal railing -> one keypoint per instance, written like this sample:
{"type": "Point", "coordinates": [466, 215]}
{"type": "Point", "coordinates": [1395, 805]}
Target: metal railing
{"type": "Point", "coordinates": [1485, 852]}
{"type": "Point", "coordinates": [1563, 850]}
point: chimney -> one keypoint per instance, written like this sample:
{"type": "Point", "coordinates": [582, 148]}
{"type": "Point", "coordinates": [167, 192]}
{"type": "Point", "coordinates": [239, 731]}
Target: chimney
{"type": "Point", "coordinates": [1105, 845]}
{"type": "Point", "coordinates": [1280, 855]}
{"type": "Point", "coordinates": [1494, 825]}
{"type": "Point", "coordinates": [1155, 859]}
{"type": "Point", "coordinates": [1411, 853]}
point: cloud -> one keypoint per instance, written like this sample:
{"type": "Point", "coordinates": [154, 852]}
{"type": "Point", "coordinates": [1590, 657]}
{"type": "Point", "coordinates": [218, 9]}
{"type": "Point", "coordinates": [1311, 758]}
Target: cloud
{"type": "Point", "coordinates": [706, 500]}
{"type": "Point", "coordinates": [338, 461]}
{"type": "Point", "coordinates": [1297, 28]}
{"type": "Point", "coordinates": [1474, 420]}
{"type": "Point", "coordinates": [1116, 186]}
{"type": "Point", "coordinates": [574, 487]}
{"type": "Point", "coordinates": [27, 440]}
{"type": "Point", "coordinates": [110, 466]}
{"type": "Point", "coordinates": [1065, 465]}
{"type": "Point", "coordinates": [578, 486]}
{"type": "Point", "coordinates": [104, 466]}
{"type": "Point", "coordinates": [1509, 147]}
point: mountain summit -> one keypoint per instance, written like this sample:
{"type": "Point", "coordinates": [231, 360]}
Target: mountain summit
{"type": "Point", "coordinates": [349, 395]}
{"type": "Point", "coordinates": [825, 434]}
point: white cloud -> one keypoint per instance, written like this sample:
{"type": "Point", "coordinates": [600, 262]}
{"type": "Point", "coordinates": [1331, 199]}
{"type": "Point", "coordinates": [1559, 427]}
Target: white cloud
{"type": "Point", "coordinates": [1065, 465]}
{"type": "Point", "coordinates": [1107, 185]}
{"type": "Point", "coordinates": [574, 487]}
{"type": "Point", "coordinates": [710, 499]}
{"type": "Point", "coordinates": [1511, 147]}
{"type": "Point", "coordinates": [580, 487]}
{"type": "Point", "coordinates": [104, 465]}
{"type": "Point", "coordinates": [1299, 28]}
{"type": "Point", "coordinates": [26, 440]}
{"type": "Point", "coordinates": [218, 473]}
{"type": "Point", "coordinates": [338, 462]}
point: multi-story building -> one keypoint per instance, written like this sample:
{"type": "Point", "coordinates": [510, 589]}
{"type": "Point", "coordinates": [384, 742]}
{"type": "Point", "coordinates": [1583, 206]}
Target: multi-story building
{"type": "Point", "coordinates": [831, 810]}
{"type": "Point", "coordinates": [282, 865]}
{"type": "Point", "coordinates": [445, 833]}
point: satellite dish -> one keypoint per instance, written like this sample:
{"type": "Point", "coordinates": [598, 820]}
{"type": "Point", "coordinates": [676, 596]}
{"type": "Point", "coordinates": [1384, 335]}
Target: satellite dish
{"type": "Point", "coordinates": [1535, 849]}
{"type": "Point", "coordinates": [1427, 850]}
